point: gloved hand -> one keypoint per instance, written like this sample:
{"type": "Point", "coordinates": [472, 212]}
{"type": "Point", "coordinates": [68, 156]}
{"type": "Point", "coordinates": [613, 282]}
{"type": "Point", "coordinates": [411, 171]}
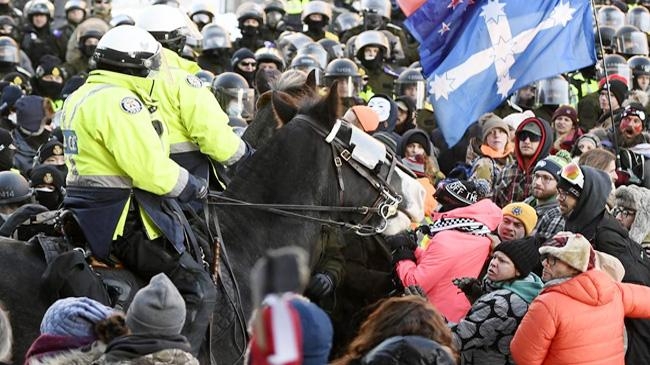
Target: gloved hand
{"type": "Point", "coordinates": [471, 287]}
{"type": "Point", "coordinates": [196, 189]}
{"type": "Point", "coordinates": [320, 285]}
{"type": "Point", "coordinates": [403, 253]}
{"type": "Point", "coordinates": [415, 290]}
{"type": "Point", "coordinates": [401, 240]}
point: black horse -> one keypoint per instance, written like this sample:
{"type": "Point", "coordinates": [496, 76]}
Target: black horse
{"type": "Point", "coordinates": [297, 167]}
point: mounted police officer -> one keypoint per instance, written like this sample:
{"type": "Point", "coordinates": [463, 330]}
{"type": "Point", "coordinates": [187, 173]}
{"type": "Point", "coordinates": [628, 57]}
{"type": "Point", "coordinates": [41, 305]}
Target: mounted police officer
{"type": "Point", "coordinates": [122, 186]}
{"type": "Point", "coordinates": [198, 128]}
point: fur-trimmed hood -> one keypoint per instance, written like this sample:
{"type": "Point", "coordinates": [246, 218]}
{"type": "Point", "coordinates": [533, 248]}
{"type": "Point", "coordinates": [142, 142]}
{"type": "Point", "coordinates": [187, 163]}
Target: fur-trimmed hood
{"type": "Point", "coordinates": [72, 357]}
{"type": "Point", "coordinates": [636, 198]}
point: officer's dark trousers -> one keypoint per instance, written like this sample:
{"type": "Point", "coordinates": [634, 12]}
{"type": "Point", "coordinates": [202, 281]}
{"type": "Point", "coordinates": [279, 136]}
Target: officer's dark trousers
{"type": "Point", "coordinates": [147, 258]}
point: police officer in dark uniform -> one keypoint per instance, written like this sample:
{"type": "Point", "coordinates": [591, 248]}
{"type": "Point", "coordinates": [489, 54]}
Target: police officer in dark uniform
{"type": "Point", "coordinates": [372, 50]}
{"type": "Point", "coordinates": [10, 58]}
{"type": "Point", "coordinates": [202, 14]}
{"type": "Point", "coordinates": [317, 16]}
{"type": "Point", "coordinates": [275, 18]}
{"type": "Point", "coordinates": [348, 79]}
{"type": "Point", "coordinates": [251, 19]}
{"type": "Point", "coordinates": [75, 13]}
{"type": "Point", "coordinates": [216, 51]}
{"type": "Point", "coordinates": [6, 8]}
{"type": "Point", "coordinates": [38, 39]}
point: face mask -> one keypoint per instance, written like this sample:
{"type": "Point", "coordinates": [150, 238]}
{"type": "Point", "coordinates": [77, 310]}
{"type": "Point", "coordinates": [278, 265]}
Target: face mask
{"type": "Point", "coordinates": [64, 170]}
{"type": "Point", "coordinates": [88, 50]}
{"type": "Point", "coordinates": [234, 109]}
{"type": "Point", "coordinates": [373, 64]}
{"type": "Point", "coordinates": [49, 199]}
{"type": "Point", "coordinates": [316, 27]}
{"type": "Point", "coordinates": [249, 31]}
{"type": "Point", "coordinates": [373, 21]}
{"type": "Point", "coordinates": [6, 160]}
{"type": "Point", "coordinates": [50, 89]}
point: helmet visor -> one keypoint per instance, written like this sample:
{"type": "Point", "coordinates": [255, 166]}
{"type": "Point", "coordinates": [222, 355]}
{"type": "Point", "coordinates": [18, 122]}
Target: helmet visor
{"type": "Point", "coordinates": [634, 43]}
{"type": "Point", "coordinates": [417, 90]}
{"type": "Point", "coordinates": [553, 91]}
{"type": "Point", "coordinates": [238, 103]}
{"type": "Point", "coordinates": [348, 86]}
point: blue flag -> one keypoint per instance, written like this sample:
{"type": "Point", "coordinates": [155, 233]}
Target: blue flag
{"type": "Point", "coordinates": [475, 53]}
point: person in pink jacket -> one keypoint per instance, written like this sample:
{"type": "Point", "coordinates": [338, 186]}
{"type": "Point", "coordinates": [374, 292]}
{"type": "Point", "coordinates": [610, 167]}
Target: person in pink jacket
{"type": "Point", "coordinates": [578, 317]}
{"type": "Point", "coordinates": [457, 246]}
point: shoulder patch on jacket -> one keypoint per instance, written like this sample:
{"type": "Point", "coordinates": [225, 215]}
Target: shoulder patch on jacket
{"type": "Point", "coordinates": [131, 105]}
{"type": "Point", "coordinates": [194, 81]}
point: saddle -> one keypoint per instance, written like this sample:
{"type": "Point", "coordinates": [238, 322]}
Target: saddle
{"type": "Point", "coordinates": [72, 272]}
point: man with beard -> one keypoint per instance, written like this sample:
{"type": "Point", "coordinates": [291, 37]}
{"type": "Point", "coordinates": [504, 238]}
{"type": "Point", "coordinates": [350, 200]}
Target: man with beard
{"type": "Point", "coordinates": [630, 131]}
{"type": "Point", "coordinates": [582, 195]}
{"type": "Point", "coordinates": [533, 141]}
{"type": "Point", "coordinates": [372, 51]}
{"type": "Point", "coordinates": [544, 194]}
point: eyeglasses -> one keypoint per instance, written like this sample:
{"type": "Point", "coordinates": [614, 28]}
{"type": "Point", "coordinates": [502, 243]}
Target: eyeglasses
{"type": "Point", "coordinates": [562, 194]}
{"type": "Point", "coordinates": [624, 212]}
{"type": "Point", "coordinates": [244, 64]}
{"type": "Point", "coordinates": [545, 178]}
{"type": "Point", "coordinates": [523, 135]}
{"type": "Point", "coordinates": [551, 260]}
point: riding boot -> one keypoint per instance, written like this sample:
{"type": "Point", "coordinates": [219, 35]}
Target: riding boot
{"type": "Point", "coordinates": [200, 295]}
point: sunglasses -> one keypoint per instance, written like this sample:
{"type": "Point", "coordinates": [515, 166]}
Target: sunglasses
{"type": "Point", "coordinates": [522, 136]}
{"type": "Point", "coordinates": [248, 64]}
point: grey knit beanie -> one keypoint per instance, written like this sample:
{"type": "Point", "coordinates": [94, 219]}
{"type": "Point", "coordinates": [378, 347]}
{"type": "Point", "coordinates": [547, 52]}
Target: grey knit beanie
{"type": "Point", "coordinates": [157, 308]}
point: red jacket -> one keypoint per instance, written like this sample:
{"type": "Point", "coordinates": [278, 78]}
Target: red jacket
{"type": "Point", "coordinates": [579, 321]}
{"type": "Point", "coordinates": [451, 254]}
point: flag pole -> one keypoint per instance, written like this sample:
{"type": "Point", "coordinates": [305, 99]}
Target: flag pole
{"type": "Point", "coordinates": [609, 94]}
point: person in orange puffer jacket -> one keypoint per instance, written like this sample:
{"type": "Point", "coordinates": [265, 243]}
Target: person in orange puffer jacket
{"type": "Point", "coordinates": [578, 316]}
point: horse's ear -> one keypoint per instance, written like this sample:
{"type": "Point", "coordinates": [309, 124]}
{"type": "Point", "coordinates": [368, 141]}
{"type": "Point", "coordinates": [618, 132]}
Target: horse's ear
{"type": "Point", "coordinates": [311, 80]}
{"type": "Point", "coordinates": [263, 100]}
{"type": "Point", "coordinates": [334, 104]}
{"type": "Point", "coordinates": [284, 107]}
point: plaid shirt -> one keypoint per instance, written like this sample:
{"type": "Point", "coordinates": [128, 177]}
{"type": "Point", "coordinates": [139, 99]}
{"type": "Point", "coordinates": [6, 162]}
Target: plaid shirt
{"type": "Point", "coordinates": [513, 185]}
{"type": "Point", "coordinates": [550, 219]}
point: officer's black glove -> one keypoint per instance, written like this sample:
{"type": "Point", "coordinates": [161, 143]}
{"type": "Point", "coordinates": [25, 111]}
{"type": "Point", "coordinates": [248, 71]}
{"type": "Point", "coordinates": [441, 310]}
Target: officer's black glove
{"type": "Point", "coordinates": [196, 189]}
{"type": "Point", "coordinates": [471, 287]}
{"type": "Point", "coordinates": [401, 240]}
{"type": "Point", "coordinates": [320, 285]}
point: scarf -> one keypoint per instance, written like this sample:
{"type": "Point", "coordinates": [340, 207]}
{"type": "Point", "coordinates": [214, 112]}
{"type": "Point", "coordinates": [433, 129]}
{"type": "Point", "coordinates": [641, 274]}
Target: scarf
{"type": "Point", "coordinates": [491, 152]}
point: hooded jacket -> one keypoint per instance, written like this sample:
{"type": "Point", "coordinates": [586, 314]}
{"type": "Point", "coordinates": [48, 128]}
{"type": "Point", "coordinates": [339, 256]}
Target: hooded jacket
{"type": "Point", "coordinates": [484, 335]}
{"type": "Point", "coordinates": [516, 179]}
{"type": "Point", "coordinates": [636, 198]}
{"type": "Point", "coordinates": [579, 321]}
{"type": "Point", "coordinates": [451, 254]}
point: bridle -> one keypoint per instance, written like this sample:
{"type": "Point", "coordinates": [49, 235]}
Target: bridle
{"type": "Point", "coordinates": [363, 163]}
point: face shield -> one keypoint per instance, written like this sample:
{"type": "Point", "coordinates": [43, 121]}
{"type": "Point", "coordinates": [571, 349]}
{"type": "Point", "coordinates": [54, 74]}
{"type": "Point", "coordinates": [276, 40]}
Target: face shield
{"type": "Point", "coordinates": [552, 91]}
{"type": "Point", "coordinates": [417, 90]}
{"type": "Point", "coordinates": [622, 69]}
{"type": "Point", "coordinates": [348, 86]}
{"type": "Point", "coordinates": [9, 54]}
{"type": "Point", "coordinates": [633, 43]}
{"type": "Point", "coordinates": [273, 18]}
{"type": "Point", "coordinates": [237, 103]}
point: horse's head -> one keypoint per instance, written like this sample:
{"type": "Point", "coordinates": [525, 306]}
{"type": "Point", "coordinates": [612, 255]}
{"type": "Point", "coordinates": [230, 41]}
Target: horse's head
{"type": "Point", "coordinates": [366, 174]}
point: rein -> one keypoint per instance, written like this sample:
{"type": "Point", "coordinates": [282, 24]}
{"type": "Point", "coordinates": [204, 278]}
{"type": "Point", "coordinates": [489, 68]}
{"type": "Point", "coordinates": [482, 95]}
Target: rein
{"type": "Point", "coordinates": [384, 206]}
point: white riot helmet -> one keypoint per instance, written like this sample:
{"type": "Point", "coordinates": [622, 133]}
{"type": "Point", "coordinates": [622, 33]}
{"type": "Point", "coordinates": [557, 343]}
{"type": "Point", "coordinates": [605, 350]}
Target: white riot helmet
{"type": "Point", "coordinates": [374, 38]}
{"type": "Point", "coordinates": [168, 25]}
{"type": "Point", "coordinates": [128, 49]}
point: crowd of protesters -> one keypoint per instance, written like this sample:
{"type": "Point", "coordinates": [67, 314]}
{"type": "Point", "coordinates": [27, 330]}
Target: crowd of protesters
{"type": "Point", "coordinates": [534, 247]}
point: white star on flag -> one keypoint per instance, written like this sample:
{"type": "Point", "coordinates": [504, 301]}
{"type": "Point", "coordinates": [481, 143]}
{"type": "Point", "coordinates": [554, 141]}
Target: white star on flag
{"type": "Point", "coordinates": [562, 14]}
{"type": "Point", "coordinates": [441, 87]}
{"type": "Point", "coordinates": [493, 10]}
{"type": "Point", "coordinates": [444, 28]}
